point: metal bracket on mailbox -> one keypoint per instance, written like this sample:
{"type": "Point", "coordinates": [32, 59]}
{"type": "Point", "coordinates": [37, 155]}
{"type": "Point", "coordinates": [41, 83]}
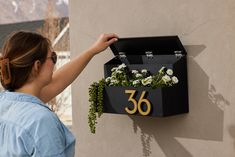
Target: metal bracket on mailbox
{"type": "Point", "coordinates": [178, 54]}
{"type": "Point", "coordinates": [149, 54]}
{"type": "Point", "coordinates": [122, 54]}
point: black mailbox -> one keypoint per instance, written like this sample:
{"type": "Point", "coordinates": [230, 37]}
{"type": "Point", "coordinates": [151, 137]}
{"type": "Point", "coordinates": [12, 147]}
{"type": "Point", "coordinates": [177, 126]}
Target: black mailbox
{"type": "Point", "coordinates": [149, 53]}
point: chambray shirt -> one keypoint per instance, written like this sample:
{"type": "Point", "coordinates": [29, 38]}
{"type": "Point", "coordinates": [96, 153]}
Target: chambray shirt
{"type": "Point", "coordinates": [29, 128]}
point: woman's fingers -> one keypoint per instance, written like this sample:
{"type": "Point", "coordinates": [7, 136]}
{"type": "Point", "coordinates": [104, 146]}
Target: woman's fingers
{"type": "Point", "coordinates": [114, 39]}
{"type": "Point", "coordinates": [111, 35]}
{"type": "Point", "coordinates": [107, 37]}
{"type": "Point", "coordinates": [110, 38]}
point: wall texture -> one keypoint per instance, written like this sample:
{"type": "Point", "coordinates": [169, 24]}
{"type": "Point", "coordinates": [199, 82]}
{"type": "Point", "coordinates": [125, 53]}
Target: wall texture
{"type": "Point", "coordinates": [207, 29]}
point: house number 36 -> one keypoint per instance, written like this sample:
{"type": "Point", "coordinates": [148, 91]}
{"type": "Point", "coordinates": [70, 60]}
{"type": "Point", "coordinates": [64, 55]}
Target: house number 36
{"type": "Point", "coordinates": [137, 105]}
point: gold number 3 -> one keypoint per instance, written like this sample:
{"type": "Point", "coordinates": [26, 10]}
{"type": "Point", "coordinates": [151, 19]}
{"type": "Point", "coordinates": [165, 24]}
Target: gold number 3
{"type": "Point", "coordinates": [137, 106]}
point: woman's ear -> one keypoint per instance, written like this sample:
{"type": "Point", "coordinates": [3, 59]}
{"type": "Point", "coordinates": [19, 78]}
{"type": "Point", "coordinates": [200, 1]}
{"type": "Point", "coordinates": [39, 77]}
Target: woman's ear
{"type": "Point", "coordinates": [36, 67]}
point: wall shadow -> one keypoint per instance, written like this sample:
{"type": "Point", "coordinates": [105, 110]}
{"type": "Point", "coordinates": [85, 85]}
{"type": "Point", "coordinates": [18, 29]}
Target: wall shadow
{"type": "Point", "coordinates": [204, 120]}
{"type": "Point", "coordinates": [232, 133]}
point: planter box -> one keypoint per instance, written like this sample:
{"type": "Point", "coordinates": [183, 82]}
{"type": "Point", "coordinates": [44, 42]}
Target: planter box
{"type": "Point", "coordinates": [164, 101]}
{"type": "Point", "coordinates": [149, 53]}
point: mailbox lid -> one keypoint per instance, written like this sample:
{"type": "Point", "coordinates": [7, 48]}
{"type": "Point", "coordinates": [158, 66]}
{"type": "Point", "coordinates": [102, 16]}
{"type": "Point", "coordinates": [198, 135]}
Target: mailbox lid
{"type": "Point", "coordinates": [158, 45]}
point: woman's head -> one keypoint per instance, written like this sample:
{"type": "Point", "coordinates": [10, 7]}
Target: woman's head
{"type": "Point", "coordinates": [22, 50]}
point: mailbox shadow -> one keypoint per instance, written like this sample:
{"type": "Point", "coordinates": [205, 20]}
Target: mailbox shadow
{"type": "Point", "coordinates": [204, 120]}
{"type": "Point", "coordinates": [232, 133]}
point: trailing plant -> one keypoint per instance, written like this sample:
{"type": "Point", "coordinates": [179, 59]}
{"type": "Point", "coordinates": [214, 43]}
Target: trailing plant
{"type": "Point", "coordinates": [92, 111]}
{"type": "Point", "coordinates": [96, 103]}
{"type": "Point", "coordinates": [101, 85]}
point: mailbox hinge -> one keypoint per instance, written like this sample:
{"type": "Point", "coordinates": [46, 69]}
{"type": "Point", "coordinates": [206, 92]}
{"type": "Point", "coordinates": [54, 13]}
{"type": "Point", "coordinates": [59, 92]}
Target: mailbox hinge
{"type": "Point", "coordinates": [149, 54]}
{"type": "Point", "coordinates": [178, 54]}
{"type": "Point", "coordinates": [122, 54]}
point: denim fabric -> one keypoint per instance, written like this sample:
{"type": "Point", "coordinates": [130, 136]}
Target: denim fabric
{"type": "Point", "coordinates": [29, 128]}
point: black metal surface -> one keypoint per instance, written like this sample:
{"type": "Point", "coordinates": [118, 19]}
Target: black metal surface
{"type": "Point", "coordinates": [161, 45]}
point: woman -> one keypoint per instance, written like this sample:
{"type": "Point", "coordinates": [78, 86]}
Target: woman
{"type": "Point", "coordinates": [27, 126]}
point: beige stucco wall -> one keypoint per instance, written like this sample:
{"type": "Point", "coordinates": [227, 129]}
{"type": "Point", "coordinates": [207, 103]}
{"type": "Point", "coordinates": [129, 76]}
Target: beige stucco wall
{"type": "Point", "coordinates": [207, 29]}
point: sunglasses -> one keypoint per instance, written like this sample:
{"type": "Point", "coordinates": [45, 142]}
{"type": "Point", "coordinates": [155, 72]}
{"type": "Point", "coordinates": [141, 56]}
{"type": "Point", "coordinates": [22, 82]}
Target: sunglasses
{"type": "Point", "coordinates": [53, 57]}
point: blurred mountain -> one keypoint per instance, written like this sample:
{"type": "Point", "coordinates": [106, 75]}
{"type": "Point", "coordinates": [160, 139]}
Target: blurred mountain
{"type": "Point", "coordinates": [14, 11]}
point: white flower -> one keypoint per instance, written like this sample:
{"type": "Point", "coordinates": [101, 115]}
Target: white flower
{"type": "Point", "coordinates": [147, 81]}
{"type": "Point", "coordinates": [150, 77]}
{"type": "Point", "coordinates": [108, 79]}
{"type": "Point", "coordinates": [162, 70]}
{"type": "Point", "coordinates": [174, 80]}
{"type": "Point", "coordinates": [136, 82]}
{"type": "Point", "coordinates": [122, 66]}
{"type": "Point", "coordinates": [134, 71]}
{"type": "Point", "coordinates": [111, 84]}
{"type": "Point", "coordinates": [114, 81]}
{"type": "Point", "coordinates": [114, 69]}
{"type": "Point", "coordinates": [144, 71]}
{"type": "Point", "coordinates": [166, 78]}
{"type": "Point", "coordinates": [169, 72]}
{"type": "Point", "coordinates": [138, 75]}
{"type": "Point", "coordinates": [119, 72]}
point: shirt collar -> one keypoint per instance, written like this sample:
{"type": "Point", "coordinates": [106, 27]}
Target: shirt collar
{"type": "Point", "coordinates": [17, 96]}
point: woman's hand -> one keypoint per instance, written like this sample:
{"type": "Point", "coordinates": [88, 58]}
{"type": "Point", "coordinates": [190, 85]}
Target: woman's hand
{"type": "Point", "coordinates": [103, 42]}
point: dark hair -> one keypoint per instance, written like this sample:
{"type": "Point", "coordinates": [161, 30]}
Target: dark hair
{"type": "Point", "coordinates": [22, 48]}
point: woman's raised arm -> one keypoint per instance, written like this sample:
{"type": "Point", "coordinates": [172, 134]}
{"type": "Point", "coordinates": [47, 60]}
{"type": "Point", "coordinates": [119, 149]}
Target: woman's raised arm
{"type": "Point", "coordinates": [64, 76]}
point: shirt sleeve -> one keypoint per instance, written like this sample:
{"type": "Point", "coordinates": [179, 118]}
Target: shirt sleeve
{"type": "Point", "coordinates": [49, 137]}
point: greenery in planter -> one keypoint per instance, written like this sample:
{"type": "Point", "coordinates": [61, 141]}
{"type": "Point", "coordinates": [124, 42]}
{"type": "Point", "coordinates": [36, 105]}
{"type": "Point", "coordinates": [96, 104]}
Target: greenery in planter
{"type": "Point", "coordinates": [121, 76]}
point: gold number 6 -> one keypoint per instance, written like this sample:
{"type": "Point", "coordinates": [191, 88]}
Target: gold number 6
{"type": "Point", "coordinates": [141, 100]}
